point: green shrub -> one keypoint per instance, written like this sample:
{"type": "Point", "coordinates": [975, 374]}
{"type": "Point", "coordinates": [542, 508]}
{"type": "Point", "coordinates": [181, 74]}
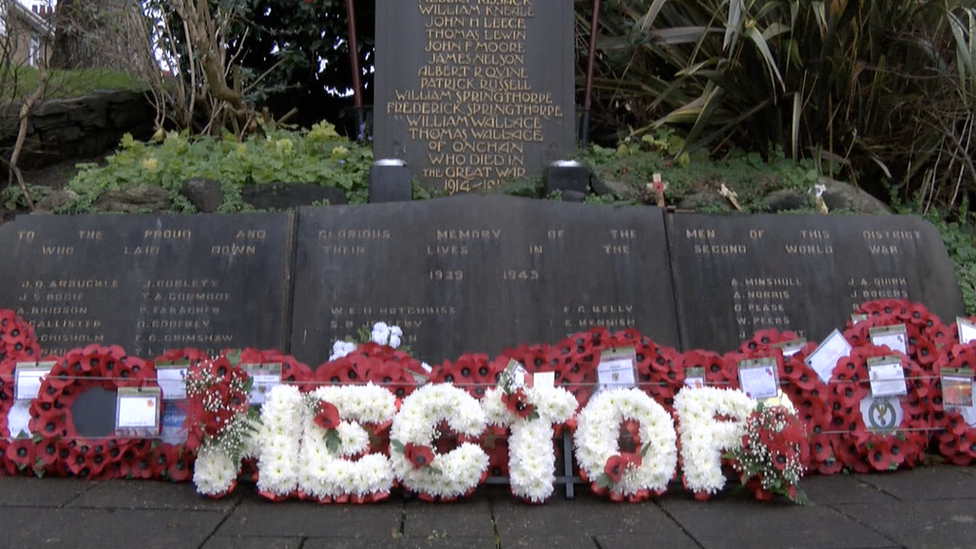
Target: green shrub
{"type": "Point", "coordinates": [317, 156]}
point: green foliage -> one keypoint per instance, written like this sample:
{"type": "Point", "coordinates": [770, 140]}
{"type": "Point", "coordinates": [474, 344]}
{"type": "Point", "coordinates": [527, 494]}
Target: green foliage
{"type": "Point", "coordinates": [878, 89]}
{"type": "Point", "coordinates": [317, 155]}
{"type": "Point", "coordinates": [23, 80]}
{"type": "Point", "coordinates": [291, 53]}
{"type": "Point", "coordinates": [12, 197]}
{"type": "Point", "coordinates": [635, 161]}
{"type": "Point", "coordinates": [960, 240]}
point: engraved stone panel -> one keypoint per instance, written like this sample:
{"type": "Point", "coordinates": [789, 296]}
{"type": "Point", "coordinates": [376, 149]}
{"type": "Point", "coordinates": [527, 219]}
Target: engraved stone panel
{"type": "Point", "coordinates": [472, 92]}
{"type": "Point", "coordinates": [735, 275]}
{"type": "Point", "coordinates": [479, 274]}
{"type": "Point", "coordinates": [149, 283]}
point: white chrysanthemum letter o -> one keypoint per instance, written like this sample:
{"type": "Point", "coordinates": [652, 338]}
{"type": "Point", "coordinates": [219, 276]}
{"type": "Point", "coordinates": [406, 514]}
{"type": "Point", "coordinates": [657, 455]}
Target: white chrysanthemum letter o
{"type": "Point", "coordinates": [710, 421]}
{"type": "Point", "coordinates": [597, 442]}
{"type": "Point", "coordinates": [445, 476]}
{"type": "Point", "coordinates": [335, 473]}
{"type": "Point", "coordinates": [531, 456]}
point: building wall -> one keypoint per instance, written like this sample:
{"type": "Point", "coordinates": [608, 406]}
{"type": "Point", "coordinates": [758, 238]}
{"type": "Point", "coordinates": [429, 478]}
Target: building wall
{"type": "Point", "coordinates": [18, 38]}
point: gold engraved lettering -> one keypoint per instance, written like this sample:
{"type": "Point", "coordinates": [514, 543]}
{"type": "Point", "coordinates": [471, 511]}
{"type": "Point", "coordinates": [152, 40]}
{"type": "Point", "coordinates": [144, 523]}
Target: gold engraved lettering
{"type": "Point", "coordinates": [721, 249]}
{"type": "Point", "coordinates": [168, 234]}
{"type": "Point", "coordinates": [233, 250]}
{"type": "Point", "coordinates": [89, 235]}
{"type": "Point", "coordinates": [140, 250]}
{"type": "Point", "coordinates": [614, 249]}
{"type": "Point", "coordinates": [474, 108]}
{"type": "Point", "coordinates": [57, 250]}
{"type": "Point", "coordinates": [513, 275]}
{"type": "Point", "coordinates": [450, 276]}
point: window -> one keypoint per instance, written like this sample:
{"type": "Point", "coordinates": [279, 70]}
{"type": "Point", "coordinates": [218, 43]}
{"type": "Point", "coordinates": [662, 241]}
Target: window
{"type": "Point", "coordinates": [33, 51]}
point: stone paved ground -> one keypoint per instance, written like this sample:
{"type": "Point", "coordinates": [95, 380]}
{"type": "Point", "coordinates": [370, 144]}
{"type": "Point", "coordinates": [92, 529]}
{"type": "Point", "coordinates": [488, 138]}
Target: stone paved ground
{"type": "Point", "coordinates": [929, 508]}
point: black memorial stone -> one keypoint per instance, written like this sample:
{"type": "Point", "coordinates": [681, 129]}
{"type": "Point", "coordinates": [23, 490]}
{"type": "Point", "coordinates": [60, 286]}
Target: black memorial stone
{"type": "Point", "coordinates": [479, 274]}
{"type": "Point", "coordinates": [735, 275]}
{"type": "Point", "coordinates": [149, 283]}
{"type": "Point", "coordinates": [470, 93]}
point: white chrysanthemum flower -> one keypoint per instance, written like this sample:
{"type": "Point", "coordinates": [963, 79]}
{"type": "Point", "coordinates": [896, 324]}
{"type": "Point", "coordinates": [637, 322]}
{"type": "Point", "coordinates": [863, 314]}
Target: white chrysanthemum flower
{"type": "Point", "coordinates": [214, 472]}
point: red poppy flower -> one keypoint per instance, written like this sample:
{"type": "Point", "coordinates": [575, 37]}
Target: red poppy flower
{"type": "Point", "coordinates": [327, 416]}
{"type": "Point", "coordinates": [879, 455]}
{"type": "Point", "coordinates": [419, 456]}
{"type": "Point", "coordinates": [614, 468]}
{"type": "Point", "coordinates": [181, 469]}
{"type": "Point", "coordinates": [516, 402]}
{"type": "Point", "coordinates": [21, 453]}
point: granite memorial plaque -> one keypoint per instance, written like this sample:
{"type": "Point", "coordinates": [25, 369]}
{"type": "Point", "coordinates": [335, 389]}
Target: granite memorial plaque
{"type": "Point", "coordinates": [470, 93]}
{"type": "Point", "coordinates": [479, 274]}
{"type": "Point", "coordinates": [735, 275]}
{"type": "Point", "coordinates": [149, 283]}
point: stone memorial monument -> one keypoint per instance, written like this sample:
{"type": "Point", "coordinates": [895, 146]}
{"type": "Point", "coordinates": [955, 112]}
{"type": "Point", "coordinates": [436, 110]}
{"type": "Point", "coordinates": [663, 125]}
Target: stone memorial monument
{"type": "Point", "coordinates": [479, 274]}
{"type": "Point", "coordinates": [149, 283]}
{"type": "Point", "coordinates": [470, 93]}
{"type": "Point", "coordinates": [737, 274]}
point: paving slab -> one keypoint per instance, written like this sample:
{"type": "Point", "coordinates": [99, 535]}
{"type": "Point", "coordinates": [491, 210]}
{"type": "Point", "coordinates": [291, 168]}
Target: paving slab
{"type": "Point", "coordinates": [256, 517]}
{"type": "Point", "coordinates": [241, 542]}
{"type": "Point", "coordinates": [41, 492]}
{"type": "Point", "coordinates": [468, 518]}
{"type": "Point", "coordinates": [643, 541]}
{"type": "Point", "coordinates": [827, 490]}
{"type": "Point", "coordinates": [731, 522]}
{"type": "Point", "coordinates": [925, 483]}
{"type": "Point", "coordinates": [142, 494]}
{"type": "Point", "coordinates": [949, 524]}
{"type": "Point", "coordinates": [29, 528]}
{"type": "Point", "coordinates": [404, 543]}
{"type": "Point", "coordinates": [582, 518]}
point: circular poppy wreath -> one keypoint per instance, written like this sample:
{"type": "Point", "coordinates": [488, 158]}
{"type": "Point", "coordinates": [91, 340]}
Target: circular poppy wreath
{"type": "Point", "coordinates": [419, 468]}
{"type": "Point", "coordinates": [163, 460]}
{"type": "Point", "coordinates": [380, 364]}
{"type": "Point", "coordinates": [853, 444]}
{"type": "Point", "coordinates": [626, 475]}
{"type": "Point", "coordinates": [51, 420]}
{"type": "Point", "coordinates": [719, 372]}
{"type": "Point", "coordinates": [16, 336]}
{"type": "Point", "coordinates": [957, 438]}
{"type": "Point", "coordinates": [293, 372]}
{"type": "Point", "coordinates": [925, 333]}
{"type": "Point", "coordinates": [473, 372]}
{"type": "Point", "coordinates": [354, 472]}
{"type": "Point", "coordinates": [577, 357]}
{"type": "Point", "coordinates": [805, 390]}
{"type": "Point", "coordinates": [22, 451]}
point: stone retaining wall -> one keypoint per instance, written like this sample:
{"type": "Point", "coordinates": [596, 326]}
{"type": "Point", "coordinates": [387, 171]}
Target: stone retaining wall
{"type": "Point", "coordinates": [82, 127]}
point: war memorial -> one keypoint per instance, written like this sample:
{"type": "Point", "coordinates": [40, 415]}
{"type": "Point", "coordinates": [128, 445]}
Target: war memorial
{"type": "Point", "coordinates": [547, 346]}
